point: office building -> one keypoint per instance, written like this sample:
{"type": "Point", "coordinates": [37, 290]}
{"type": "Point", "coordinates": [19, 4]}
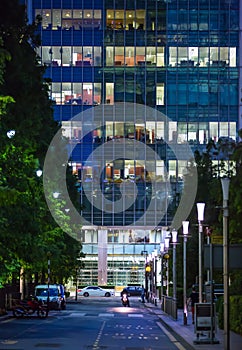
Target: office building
{"type": "Point", "coordinates": [134, 62]}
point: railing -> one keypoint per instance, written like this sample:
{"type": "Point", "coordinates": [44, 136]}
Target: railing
{"type": "Point", "coordinates": [169, 306]}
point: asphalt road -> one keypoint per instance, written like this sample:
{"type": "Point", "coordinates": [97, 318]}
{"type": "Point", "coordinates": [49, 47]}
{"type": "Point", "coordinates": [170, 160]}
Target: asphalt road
{"type": "Point", "coordinates": [93, 323]}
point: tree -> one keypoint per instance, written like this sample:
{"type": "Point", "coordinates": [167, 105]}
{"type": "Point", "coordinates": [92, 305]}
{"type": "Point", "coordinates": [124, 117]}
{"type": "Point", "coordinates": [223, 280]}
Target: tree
{"type": "Point", "coordinates": [28, 230]}
{"type": "Point", "coordinates": [228, 156]}
{"type": "Point", "coordinates": [235, 215]}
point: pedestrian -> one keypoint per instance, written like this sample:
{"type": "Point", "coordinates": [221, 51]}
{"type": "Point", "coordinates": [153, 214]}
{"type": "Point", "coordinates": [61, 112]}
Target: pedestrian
{"type": "Point", "coordinates": [193, 299]}
{"type": "Point", "coordinates": [142, 294]}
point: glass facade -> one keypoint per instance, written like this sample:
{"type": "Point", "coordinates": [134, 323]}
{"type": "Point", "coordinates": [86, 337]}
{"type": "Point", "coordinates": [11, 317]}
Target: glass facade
{"type": "Point", "coordinates": [179, 58]}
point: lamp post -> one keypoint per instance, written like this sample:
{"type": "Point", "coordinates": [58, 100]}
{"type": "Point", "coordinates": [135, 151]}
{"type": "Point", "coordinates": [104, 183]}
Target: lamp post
{"type": "Point", "coordinates": [150, 270]}
{"type": "Point", "coordinates": [174, 302]}
{"type": "Point", "coordinates": [145, 253]}
{"type": "Point", "coordinates": [200, 216]}
{"type": "Point", "coordinates": [154, 275]}
{"type": "Point", "coordinates": [167, 244]}
{"type": "Point", "coordinates": [225, 187]}
{"type": "Point", "coordinates": [147, 274]}
{"type": "Point", "coordinates": [174, 243]}
{"type": "Point", "coordinates": [48, 280]}
{"type": "Point", "coordinates": [77, 271]}
{"type": "Point", "coordinates": [185, 225]}
{"type": "Point", "coordinates": [162, 250]}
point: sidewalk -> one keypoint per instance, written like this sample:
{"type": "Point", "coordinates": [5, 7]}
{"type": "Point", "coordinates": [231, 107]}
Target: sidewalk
{"type": "Point", "coordinates": [186, 332]}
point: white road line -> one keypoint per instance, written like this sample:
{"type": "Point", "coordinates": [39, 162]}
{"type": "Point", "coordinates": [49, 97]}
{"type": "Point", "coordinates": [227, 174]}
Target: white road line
{"type": "Point", "coordinates": [8, 320]}
{"type": "Point", "coordinates": [77, 314]}
{"type": "Point", "coordinates": [96, 342]}
{"type": "Point", "coordinates": [135, 315]}
{"type": "Point", "coordinates": [106, 314]}
{"type": "Point", "coordinates": [171, 337]}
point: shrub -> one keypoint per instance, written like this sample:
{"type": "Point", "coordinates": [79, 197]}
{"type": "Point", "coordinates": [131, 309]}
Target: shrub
{"type": "Point", "coordinates": [235, 313]}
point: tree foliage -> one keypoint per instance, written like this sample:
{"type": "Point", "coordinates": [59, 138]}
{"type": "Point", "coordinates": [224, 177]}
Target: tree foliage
{"type": "Point", "coordinates": [228, 163]}
{"type": "Point", "coordinates": [28, 232]}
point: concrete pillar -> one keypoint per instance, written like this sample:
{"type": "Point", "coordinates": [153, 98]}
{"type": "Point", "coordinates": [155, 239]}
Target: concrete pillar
{"type": "Point", "coordinates": [102, 256]}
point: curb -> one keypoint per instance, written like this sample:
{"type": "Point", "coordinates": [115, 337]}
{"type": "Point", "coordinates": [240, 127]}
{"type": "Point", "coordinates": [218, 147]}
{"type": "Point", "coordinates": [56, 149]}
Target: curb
{"type": "Point", "coordinates": [187, 345]}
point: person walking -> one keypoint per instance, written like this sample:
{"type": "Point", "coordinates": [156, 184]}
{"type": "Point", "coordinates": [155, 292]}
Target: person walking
{"type": "Point", "coordinates": [143, 294]}
{"type": "Point", "coordinates": [193, 299]}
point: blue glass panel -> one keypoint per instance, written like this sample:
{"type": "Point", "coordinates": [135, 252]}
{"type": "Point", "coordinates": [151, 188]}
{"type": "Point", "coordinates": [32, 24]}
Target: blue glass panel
{"type": "Point", "coordinates": [55, 36]}
{"type": "Point", "coordinates": [87, 74]}
{"type": "Point", "coordinates": [66, 73]}
{"type": "Point", "coordinates": [45, 4]}
{"type": "Point", "coordinates": [56, 73]}
{"type": "Point", "coordinates": [45, 38]}
{"type": "Point", "coordinates": [87, 37]}
{"type": "Point", "coordinates": [98, 37]}
{"type": "Point", "coordinates": [37, 4]}
{"type": "Point", "coordinates": [77, 74]}
{"type": "Point", "coordinates": [57, 4]}
{"type": "Point", "coordinates": [66, 36]}
{"type": "Point", "coordinates": [98, 4]}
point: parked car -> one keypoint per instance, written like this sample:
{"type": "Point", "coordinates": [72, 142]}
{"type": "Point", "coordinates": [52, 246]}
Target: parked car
{"type": "Point", "coordinates": [56, 293]}
{"type": "Point", "coordinates": [133, 290]}
{"type": "Point", "coordinates": [95, 291]}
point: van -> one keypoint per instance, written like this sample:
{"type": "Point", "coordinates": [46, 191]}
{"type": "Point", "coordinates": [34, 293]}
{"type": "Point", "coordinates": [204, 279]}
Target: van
{"type": "Point", "coordinates": [57, 297]}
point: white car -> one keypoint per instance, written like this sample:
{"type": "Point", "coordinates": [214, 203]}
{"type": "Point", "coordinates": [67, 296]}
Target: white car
{"type": "Point", "coordinates": [95, 291]}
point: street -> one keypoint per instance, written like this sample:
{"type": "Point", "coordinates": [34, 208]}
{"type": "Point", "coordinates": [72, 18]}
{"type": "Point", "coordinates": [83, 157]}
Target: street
{"type": "Point", "coordinates": [92, 323]}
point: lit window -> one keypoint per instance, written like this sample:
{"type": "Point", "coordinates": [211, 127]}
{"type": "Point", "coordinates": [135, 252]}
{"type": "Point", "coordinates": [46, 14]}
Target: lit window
{"type": "Point", "coordinates": [160, 94]}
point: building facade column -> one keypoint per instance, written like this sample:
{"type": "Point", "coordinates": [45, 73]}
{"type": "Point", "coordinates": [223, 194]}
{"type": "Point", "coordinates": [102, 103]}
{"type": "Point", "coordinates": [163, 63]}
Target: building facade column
{"type": "Point", "coordinates": [102, 256]}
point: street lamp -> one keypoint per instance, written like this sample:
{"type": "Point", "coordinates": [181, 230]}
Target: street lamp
{"type": "Point", "coordinates": [56, 194]}
{"type": "Point", "coordinates": [174, 302]}
{"type": "Point", "coordinates": [167, 241]}
{"type": "Point", "coordinates": [200, 217]}
{"type": "Point", "coordinates": [185, 225]}
{"type": "Point", "coordinates": [11, 134]}
{"type": "Point", "coordinates": [154, 272]}
{"type": "Point", "coordinates": [225, 187]}
{"type": "Point", "coordinates": [39, 172]}
{"type": "Point", "coordinates": [174, 243]}
{"type": "Point", "coordinates": [150, 270]}
{"type": "Point", "coordinates": [162, 250]}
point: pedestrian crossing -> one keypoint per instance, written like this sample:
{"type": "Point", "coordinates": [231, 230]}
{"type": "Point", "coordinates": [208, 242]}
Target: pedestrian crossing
{"type": "Point", "coordinates": [78, 314]}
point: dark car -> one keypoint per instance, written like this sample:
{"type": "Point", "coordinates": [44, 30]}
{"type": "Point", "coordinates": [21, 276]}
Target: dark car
{"type": "Point", "coordinates": [133, 290]}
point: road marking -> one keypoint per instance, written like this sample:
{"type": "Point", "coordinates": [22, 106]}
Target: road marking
{"type": "Point", "coordinates": [96, 342]}
{"type": "Point", "coordinates": [8, 320]}
{"type": "Point", "coordinates": [9, 342]}
{"type": "Point", "coordinates": [77, 314]}
{"type": "Point", "coordinates": [103, 314]}
{"type": "Point", "coordinates": [106, 314]}
{"type": "Point", "coordinates": [171, 337]}
{"type": "Point", "coordinates": [135, 315]}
